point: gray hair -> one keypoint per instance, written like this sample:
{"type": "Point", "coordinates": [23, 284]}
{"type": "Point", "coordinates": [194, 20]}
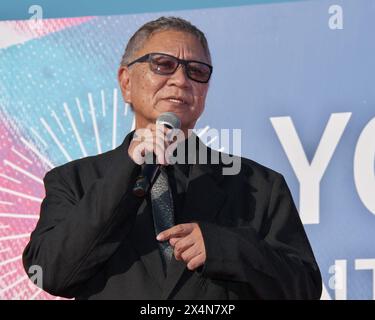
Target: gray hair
{"type": "Point", "coordinates": [139, 38]}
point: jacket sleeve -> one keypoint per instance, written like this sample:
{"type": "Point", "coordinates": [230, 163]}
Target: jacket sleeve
{"type": "Point", "coordinates": [278, 264]}
{"type": "Point", "coordinates": [75, 236]}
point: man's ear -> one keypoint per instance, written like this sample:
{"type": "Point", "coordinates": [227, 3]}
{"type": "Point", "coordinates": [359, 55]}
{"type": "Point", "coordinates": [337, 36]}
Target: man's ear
{"type": "Point", "coordinates": [125, 84]}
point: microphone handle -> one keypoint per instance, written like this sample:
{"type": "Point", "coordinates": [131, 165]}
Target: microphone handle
{"type": "Point", "coordinates": [146, 178]}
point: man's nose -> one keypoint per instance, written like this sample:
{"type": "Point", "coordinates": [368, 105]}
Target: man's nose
{"type": "Point", "coordinates": [179, 77]}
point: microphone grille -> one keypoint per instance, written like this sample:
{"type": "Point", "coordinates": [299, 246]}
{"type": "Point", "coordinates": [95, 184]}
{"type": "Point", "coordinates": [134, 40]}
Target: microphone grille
{"type": "Point", "coordinates": [170, 120]}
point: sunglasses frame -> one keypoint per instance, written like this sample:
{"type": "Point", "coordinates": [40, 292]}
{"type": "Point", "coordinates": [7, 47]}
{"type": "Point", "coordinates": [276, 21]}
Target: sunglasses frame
{"type": "Point", "coordinates": [148, 57]}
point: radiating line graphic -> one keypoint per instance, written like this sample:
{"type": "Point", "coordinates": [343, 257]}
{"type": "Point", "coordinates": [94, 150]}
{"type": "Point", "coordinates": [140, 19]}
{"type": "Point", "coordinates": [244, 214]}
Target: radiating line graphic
{"type": "Point", "coordinates": [7, 273]}
{"type": "Point", "coordinates": [34, 149]}
{"type": "Point", "coordinates": [23, 171]}
{"type": "Point", "coordinates": [78, 103]}
{"type": "Point", "coordinates": [55, 139]}
{"type": "Point", "coordinates": [21, 155]}
{"type": "Point", "coordinates": [3, 263]}
{"type": "Point", "coordinates": [20, 194]}
{"type": "Point", "coordinates": [114, 125]}
{"type": "Point", "coordinates": [19, 216]}
{"type": "Point", "coordinates": [93, 117]}
{"type": "Point", "coordinates": [133, 124]}
{"type": "Point", "coordinates": [15, 283]}
{"type": "Point", "coordinates": [18, 236]}
{"type": "Point", "coordinates": [38, 136]}
{"type": "Point", "coordinates": [72, 123]}
{"type": "Point", "coordinates": [9, 178]}
{"type": "Point", "coordinates": [6, 203]}
{"type": "Point", "coordinates": [54, 115]}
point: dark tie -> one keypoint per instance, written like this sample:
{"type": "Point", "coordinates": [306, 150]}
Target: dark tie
{"type": "Point", "coordinates": [162, 210]}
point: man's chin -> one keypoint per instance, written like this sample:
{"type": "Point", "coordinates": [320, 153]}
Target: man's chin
{"type": "Point", "coordinates": [179, 112]}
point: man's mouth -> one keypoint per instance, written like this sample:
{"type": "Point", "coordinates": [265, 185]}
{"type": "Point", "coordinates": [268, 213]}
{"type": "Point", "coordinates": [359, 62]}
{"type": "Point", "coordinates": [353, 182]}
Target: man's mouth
{"type": "Point", "coordinates": [176, 100]}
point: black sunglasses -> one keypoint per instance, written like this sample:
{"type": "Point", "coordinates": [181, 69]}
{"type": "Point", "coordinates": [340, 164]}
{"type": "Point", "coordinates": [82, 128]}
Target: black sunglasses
{"type": "Point", "coordinates": [165, 64]}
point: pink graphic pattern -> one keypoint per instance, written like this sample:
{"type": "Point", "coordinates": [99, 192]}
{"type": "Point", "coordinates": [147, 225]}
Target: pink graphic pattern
{"type": "Point", "coordinates": [22, 191]}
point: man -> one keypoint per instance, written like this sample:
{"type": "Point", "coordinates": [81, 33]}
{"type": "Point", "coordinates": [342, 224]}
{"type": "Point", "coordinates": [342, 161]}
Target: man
{"type": "Point", "coordinates": [231, 237]}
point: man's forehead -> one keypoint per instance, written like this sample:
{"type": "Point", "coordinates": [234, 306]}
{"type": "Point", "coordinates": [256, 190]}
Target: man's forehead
{"type": "Point", "coordinates": [172, 42]}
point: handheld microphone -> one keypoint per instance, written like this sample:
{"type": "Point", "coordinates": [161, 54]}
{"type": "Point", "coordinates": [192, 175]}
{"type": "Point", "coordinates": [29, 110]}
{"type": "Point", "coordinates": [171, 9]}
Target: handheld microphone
{"type": "Point", "coordinates": [149, 171]}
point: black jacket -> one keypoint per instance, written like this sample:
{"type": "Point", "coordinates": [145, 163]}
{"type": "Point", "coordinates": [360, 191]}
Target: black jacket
{"type": "Point", "coordinates": [96, 240]}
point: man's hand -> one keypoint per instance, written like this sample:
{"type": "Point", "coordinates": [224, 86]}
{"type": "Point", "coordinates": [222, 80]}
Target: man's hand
{"type": "Point", "coordinates": [187, 242]}
{"type": "Point", "coordinates": [150, 139]}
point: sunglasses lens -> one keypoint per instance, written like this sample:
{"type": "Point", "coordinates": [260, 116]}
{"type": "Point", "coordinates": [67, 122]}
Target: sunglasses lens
{"type": "Point", "coordinates": [163, 64]}
{"type": "Point", "coordinates": [199, 71]}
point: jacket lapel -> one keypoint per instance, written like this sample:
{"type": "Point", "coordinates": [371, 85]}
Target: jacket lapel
{"type": "Point", "coordinates": [143, 233]}
{"type": "Point", "coordinates": [203, 201]}
{"type": "Point", "coordinates": [145, 243]}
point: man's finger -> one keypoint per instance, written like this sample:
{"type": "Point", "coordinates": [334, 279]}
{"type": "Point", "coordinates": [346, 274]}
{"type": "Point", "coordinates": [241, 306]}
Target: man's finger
{"type": "Point", "coordinates": [190, 253]}
{"type": "Point", "coordinates": [172, 241]}
{"type": "Point", "coordinates": [182, 245]}
{"type": "Point", "coordinates": [196, 262]}
{"type": "Point", "coordinates": [176, 231]}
